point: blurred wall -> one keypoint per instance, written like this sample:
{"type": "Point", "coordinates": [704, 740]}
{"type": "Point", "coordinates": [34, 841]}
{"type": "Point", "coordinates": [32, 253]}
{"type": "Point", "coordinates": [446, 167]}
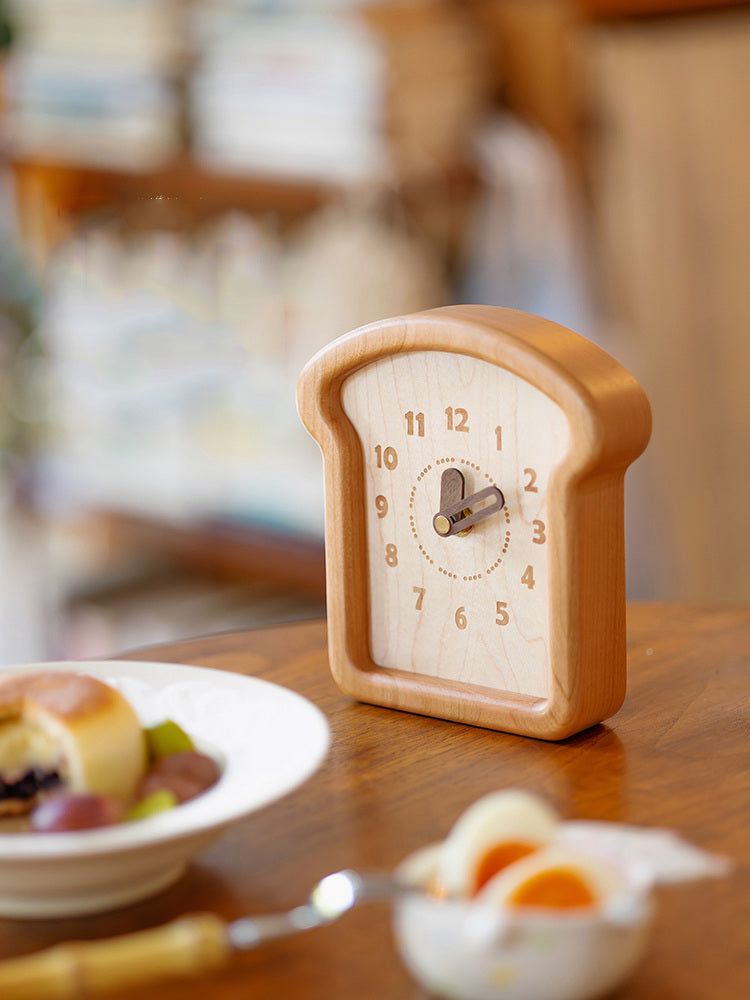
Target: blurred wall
{"type": "Point", "coordinates": [670, 166]}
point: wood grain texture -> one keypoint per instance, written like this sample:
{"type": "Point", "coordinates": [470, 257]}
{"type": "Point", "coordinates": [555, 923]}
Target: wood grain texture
{"type": "Point", "coordinates": [675, 756]}
{"type": "Point", "coordinates": [609, 424]}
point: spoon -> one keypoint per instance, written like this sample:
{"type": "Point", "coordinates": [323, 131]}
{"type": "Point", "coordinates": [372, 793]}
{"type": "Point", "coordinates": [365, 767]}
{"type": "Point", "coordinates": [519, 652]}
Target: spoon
{"type": "Point", "coordinates": [191, 945]}
{"type": "Point", "coordinates": [330, 899]}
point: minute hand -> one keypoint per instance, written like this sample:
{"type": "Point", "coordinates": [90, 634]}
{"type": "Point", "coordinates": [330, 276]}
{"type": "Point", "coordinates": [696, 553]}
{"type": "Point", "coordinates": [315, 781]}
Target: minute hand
{"type": "Point", "coordinates": [491, 493]}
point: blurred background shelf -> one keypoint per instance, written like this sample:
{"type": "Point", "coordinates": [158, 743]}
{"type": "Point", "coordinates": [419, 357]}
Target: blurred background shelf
{"type": "Point", "coordinates": [52, 197]}
{"type": "Point", "coordinates": [196, 196]}
{"type": "Point", "coordinates": [228, 551]}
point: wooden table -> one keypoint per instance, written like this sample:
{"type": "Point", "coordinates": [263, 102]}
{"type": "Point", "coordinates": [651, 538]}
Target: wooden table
{"type": "Point", "coordinates": [676, 755]}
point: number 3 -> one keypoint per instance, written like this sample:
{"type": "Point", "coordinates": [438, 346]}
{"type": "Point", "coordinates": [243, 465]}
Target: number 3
{"type": "Point", "coordinates": [540, 532]}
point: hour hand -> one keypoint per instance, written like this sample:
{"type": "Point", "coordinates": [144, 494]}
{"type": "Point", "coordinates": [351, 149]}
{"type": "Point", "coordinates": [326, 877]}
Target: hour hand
{"type": "Point", "coordinates": [457, 513]}
{"type": "Point", "coordinates": [451, 495]}
{"type": "Point", "coordinates": [451, 488]}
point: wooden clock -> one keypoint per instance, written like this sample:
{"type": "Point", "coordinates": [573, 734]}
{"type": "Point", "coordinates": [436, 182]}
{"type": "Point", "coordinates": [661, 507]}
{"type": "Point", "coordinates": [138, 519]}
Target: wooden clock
{"type": "Point", "coordinates": [474, 477]}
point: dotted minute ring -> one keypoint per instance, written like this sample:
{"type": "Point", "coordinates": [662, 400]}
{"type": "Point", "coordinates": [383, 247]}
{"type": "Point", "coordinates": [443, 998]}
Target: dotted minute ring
{"type": "Point", "coordinates": [423, 551]}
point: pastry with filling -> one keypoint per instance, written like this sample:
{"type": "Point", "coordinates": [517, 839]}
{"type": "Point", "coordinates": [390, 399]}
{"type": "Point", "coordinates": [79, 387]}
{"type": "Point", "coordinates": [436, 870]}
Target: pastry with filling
{"type": "Point", "coordinates": [65, 731]}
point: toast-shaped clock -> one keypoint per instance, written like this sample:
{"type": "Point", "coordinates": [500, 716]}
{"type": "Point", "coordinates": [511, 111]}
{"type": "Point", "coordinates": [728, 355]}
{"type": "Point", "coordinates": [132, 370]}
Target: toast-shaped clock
{"type": "Point", "coordinates": [474, 481]}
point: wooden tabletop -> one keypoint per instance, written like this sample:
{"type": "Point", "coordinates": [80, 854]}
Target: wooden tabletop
{"type": "Point", "coordinates": [676, 755]}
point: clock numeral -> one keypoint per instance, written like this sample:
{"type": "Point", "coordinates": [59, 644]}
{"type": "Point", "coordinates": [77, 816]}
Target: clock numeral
{"type": "Point", "coordinates": [387, 457]}
{"type": "Point", "coordinates": [391, 555]}
{"type": "Point", "coordinates": [460, 617]}
{"type": "Point", "coordinates": [381, 505]}
{"type": "Point", "coordinates": [420, 592]}
{"type": "Point", "coordinates": [540, 532]}
{"type": "Point", "coordinates": [528, 577]}
{"type": "Point", "coordinates": [499, 438]}
{"type": "Point", "coordinates": [501, 610]}
{"type": "Point", "coordinates": [414, 420]}
{"type": "Point", "coordinates": [531, 486]}
{"type": "Point", "coordinates": [456, 420]}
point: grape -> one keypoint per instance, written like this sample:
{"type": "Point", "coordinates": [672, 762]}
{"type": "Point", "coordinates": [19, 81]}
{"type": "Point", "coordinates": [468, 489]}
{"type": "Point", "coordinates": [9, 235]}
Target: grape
{"type": "Point", "coordinates": [166, 738]}
{"type": "Point", "coordinates": [75, 812]}
{"type": "Point", "coordinates": [186, 774]}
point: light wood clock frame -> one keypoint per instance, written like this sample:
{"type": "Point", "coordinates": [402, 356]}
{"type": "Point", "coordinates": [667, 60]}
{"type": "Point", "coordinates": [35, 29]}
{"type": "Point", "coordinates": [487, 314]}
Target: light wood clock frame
{"type": "Point", "coordinates": [474, 484]}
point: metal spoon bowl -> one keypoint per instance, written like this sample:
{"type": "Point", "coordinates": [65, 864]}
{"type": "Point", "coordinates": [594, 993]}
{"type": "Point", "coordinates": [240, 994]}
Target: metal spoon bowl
{"type": "Point", "coordinates": [330, 899]}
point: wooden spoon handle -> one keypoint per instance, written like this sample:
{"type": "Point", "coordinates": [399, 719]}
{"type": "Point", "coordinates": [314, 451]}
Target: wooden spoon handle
{"type": "Point", "coordinates": [188, 946]}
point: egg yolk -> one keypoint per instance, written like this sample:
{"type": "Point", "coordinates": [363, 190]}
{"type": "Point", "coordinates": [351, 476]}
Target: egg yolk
{"type": "Point", "coordinates": [558, 888]}
{"type": "Point", "coordinates": [499, 857]}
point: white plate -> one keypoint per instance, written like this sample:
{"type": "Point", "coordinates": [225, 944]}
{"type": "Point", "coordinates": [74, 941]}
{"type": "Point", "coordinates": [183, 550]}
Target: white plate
{"type": "Point", "coordinates": [267, 739]}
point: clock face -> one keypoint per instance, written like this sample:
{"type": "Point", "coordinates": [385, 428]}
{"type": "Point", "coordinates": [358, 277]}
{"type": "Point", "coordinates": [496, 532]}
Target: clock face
{"type": "Point", "coordinates": [448, 438]}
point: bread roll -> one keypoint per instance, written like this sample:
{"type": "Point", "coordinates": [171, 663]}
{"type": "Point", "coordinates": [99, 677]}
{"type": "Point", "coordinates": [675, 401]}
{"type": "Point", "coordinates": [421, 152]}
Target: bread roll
{"type": "Point", "coordinates": [66, 730]}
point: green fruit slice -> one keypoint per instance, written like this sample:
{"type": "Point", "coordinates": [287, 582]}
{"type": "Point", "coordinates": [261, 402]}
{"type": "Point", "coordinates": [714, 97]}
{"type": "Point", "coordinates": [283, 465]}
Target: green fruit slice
{"type": "Point", "coordinates": [165, 739]}
{"type": "Point", "coordinates": [154, 803]}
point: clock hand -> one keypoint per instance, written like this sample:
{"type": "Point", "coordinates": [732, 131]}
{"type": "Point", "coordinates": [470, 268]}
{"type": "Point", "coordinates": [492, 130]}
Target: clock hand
{"type": "Point", "coordinates": [451, 487]}
{"type": "Point", "coordinates": [445, 521]}
{"type": "Point", "coordinates": [451, 492]}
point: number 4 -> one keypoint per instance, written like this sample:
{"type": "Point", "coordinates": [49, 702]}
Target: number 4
{"type": "Point", "coordinates": [528, 577]}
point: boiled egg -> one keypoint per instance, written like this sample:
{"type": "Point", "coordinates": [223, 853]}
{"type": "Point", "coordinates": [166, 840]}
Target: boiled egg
{"type": "Point", "coordinates": [554, 878]}
{"type": "Point", "coordinates": [496, 831]}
